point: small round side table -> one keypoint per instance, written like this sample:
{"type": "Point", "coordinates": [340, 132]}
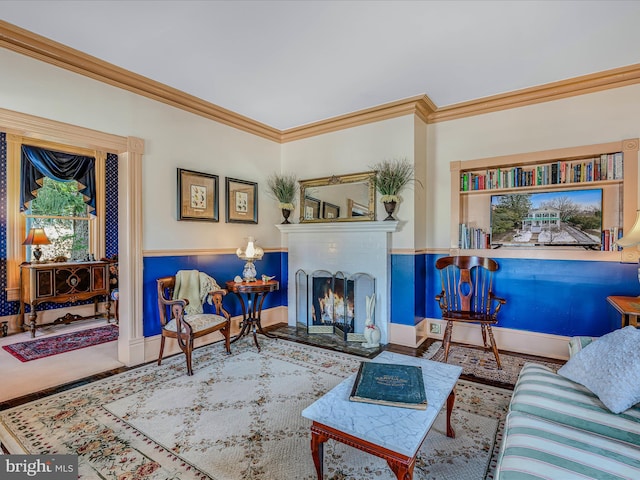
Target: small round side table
{"type": "Point", "coordinates": [255, 292]}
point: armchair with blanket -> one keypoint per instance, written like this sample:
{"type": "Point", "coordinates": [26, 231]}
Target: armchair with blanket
{"type": "Point", "coordinates": [180, 306]}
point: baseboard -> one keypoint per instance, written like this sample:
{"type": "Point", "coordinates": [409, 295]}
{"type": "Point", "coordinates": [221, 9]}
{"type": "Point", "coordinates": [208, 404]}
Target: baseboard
{"type": "Point", "coordinates": [521, 341]}
{"type": "Point", "coordinates": [408, 335]}
{"type": "Point", "coordinates": [133, 352]}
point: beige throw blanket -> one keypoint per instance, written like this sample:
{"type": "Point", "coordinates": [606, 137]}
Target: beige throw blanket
{"type": "Point", "coordinates": [196, 287]}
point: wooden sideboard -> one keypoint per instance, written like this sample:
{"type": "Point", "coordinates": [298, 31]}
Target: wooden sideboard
{"type": "Point", "coordinates": [67, 282]}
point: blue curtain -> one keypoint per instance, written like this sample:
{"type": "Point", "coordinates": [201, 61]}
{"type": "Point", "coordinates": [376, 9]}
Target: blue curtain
{"type": "Point", "coordinates": [38, 163]}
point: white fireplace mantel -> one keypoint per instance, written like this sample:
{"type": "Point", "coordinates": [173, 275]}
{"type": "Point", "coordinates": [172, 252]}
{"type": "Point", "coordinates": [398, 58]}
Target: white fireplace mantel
{"type": "Point", "coordinates": [338, 227]}
{"type": "Point", "coordinates": [350, 247]}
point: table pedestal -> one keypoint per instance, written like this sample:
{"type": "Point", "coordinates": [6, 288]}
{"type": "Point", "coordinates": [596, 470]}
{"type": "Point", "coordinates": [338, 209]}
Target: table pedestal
{"type": "Point", "coordinates": [255, 293]}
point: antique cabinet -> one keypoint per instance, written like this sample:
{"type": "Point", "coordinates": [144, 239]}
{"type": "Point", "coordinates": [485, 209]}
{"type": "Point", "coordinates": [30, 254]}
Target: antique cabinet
{"type": "Point", "coordinates": [67, 282]}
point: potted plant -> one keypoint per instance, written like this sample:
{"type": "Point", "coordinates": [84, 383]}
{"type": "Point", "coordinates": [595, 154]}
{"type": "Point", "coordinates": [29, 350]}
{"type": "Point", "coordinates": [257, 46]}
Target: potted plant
{"type": "Point", "coordinates": [283, 188]}
{"type": "Point", "coordinates": [390, 179]}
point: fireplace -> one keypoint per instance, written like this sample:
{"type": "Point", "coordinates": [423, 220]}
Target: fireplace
{"type": "Point", "coordinates": [340, 247]}
{"type": "Point", "coordinates": [334, 303]}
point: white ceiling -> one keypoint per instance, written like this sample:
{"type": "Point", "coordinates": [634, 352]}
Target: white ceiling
{"type": "Point", "coordinates": [290, 63]}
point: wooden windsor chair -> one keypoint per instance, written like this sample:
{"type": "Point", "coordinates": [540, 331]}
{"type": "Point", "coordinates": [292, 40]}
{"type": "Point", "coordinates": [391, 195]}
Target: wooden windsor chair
{"type": "Point", "coordinates": [467, 296]}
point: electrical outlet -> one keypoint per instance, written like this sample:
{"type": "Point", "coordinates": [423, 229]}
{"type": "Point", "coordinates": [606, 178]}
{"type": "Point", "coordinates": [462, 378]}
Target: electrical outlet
{"type": "Point", "coordinates": [435, 328]}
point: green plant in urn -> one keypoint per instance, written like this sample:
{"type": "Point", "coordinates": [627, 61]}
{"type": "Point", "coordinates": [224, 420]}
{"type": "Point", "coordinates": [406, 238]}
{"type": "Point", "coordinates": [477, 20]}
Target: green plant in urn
{"type": "Point", "coordinates": [284, 188]}
{"type": "Point", "coordinates": [391, 177]}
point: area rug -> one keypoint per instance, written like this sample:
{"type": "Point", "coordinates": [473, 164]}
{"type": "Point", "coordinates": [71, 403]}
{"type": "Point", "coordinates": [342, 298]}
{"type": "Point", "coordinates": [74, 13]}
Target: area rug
{"type": "Point", "coordinates": [237, 418]}
{"type": "Point", "coordinates": [480, 364]}
{"type": "Point", "coordinates": [45, 347]}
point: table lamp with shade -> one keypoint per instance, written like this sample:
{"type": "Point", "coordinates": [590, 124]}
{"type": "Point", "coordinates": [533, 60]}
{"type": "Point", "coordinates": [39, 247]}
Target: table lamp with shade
{"type": "Point", "coordinates": [36, 237]}
{"type": "Point", "coordinates": [250, 253]}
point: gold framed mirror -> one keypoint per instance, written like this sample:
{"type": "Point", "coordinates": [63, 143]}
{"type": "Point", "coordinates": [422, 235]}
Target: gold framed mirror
{"type": "Point", "coordinates": [339, 198]}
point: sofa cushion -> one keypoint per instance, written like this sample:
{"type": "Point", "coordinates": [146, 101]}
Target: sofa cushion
{"type": "Point", "coordinates": [610, 368]}
{"type": "Point", "coordinates": [578, 343]}
{"type": "Point", "coordinates": [541, 392]}
{"type": "Point", "coordinates": [535, 448]}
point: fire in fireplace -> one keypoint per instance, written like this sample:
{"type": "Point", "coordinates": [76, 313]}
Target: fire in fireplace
{"type": "Point", "coordinates": [333, 303]}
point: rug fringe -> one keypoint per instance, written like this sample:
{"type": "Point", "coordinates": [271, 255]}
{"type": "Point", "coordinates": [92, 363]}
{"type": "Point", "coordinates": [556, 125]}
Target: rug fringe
{"type": "Point", "coordinates": [432, 350]}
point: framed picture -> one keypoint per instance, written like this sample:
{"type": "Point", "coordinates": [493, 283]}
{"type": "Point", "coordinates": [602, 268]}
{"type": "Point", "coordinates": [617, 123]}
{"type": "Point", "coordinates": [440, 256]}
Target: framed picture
{"type": "Point", "coordinates": [197, 196]}
{"type": "Point", "coordinates": [311, 208]}
{"type": "Point", "coordinates": [242, 201]}
{"type": "Point", "coordinates": [330, 211]}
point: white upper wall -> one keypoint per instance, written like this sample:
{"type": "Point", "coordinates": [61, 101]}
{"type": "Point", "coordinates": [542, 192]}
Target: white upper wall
{"type": "Point", "coordinates": [173, 139]}
{"type": "Point", "coordinates": [355, 150]}
{"type": "Point", "coordinates": [607, 116]}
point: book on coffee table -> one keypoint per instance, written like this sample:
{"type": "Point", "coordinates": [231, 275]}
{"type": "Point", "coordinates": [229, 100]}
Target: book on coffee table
{"type": "Point", "coordinates": [390, 384]}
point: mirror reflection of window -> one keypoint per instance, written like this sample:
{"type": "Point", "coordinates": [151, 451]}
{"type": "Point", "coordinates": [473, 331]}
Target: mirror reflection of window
{"type": "Point", "coordinates": [357, 209]}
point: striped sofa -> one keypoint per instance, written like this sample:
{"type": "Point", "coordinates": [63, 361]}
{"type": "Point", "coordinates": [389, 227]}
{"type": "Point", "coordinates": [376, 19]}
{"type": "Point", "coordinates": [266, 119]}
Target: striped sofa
{"type": "Point", "coordinates": [558, 429]}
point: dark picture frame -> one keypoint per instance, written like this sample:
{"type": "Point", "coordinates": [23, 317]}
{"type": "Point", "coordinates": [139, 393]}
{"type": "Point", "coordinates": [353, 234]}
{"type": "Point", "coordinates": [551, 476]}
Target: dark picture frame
{"type": "Point", "coordinates": [197, 196]}
{"type": "Point", "coordinates": [241, 201]}
{"type": "Point", "coordinates": [330, 211]}
{"type": "Point", "coordinates": [311, 208]}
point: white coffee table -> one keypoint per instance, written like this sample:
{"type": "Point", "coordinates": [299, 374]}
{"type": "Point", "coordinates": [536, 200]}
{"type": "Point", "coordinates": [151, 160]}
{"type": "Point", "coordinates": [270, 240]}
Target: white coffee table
{"type": "Point", "coordinates": [392, 433]}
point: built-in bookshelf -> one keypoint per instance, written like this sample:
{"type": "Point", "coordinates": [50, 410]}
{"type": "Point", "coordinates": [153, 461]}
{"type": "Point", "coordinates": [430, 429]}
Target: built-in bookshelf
{"type": "Point", "coordinates": [562, 172]}
{"type": "Point", "coordinates": [547, 185]}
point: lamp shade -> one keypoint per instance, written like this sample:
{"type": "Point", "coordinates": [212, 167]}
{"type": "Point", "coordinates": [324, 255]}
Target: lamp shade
{"type": "Point", "coordinates": [251, 251]}
{"type": "Point", "coordinates": [36, 236]}
{"type": "Point", "coordinates": [632, 237]}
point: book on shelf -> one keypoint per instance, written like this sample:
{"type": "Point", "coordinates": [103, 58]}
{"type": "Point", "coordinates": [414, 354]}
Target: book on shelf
{"type": "Point", "coordinates": [609, 237]}
{"type": "Point", "coordinates": [608, 166]}
{"type": "Point", "coordinates": [472, 237]}
{"type": "Point", "coordinates": [390, 384]}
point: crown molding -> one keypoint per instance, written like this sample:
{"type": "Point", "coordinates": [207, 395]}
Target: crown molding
{"type": "Point", "coordinates": [419, 105]}
{"type": "Point", "coordinates": [595, 82]}
{"type": "Point", "coordinates": [35, 46]}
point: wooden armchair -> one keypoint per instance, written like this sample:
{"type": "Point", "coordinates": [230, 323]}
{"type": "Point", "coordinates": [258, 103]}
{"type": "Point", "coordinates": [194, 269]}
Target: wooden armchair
{"type": "Point", "coordinates": [467, 296]}
{"type": "Point", "coordinates": [185, 328]}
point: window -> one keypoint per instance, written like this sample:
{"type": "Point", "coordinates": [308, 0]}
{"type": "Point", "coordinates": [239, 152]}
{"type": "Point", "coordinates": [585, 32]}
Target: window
{"type": "Point", "coordinates": [60, 209]}
{"type": "Point", "coordinates": [18, 221]}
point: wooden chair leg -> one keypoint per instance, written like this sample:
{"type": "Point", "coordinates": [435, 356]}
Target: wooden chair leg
{"type": "Point", "coordinates": [447, 339]}
{"type": "Point", "coordinates": [483, 329]}
{"type": "Point", "coordinates": [227, 339]}
{"type": "Point", "coordinates": [187, 351]}
{"type": "Point", "coordinates": [494, 347]}
{"type": "Point", "coordinates": [161, 349]}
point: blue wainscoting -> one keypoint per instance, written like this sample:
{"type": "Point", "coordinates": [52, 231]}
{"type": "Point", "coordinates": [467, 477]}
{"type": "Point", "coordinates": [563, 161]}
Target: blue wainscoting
{"type": "Point", "coordinates": [221, 267]}
{"type": "Point", "coordinates": [408, 289]}
{"type": "Point", "coordinates": [561, 297]}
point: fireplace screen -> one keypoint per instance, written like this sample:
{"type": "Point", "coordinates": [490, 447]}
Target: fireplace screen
{"type": "Point", "coordinates": [333, 303]}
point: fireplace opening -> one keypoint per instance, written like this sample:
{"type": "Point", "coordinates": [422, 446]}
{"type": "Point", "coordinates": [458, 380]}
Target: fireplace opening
{"type": "Point", "coordinates": [333, 303]}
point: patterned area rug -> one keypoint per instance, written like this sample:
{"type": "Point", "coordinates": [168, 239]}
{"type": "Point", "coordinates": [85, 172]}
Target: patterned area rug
{"type": "Point", "coordinates": [237, 418]}
{"type": "Point", "coordinates": [45, 347]}
{"type": "Point", "coordinates": [481, 364]}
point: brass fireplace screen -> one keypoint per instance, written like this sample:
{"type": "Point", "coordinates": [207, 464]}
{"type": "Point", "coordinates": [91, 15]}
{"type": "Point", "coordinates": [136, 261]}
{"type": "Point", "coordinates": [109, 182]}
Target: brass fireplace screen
{"type": "Point", "coordinates": [333, 303]}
